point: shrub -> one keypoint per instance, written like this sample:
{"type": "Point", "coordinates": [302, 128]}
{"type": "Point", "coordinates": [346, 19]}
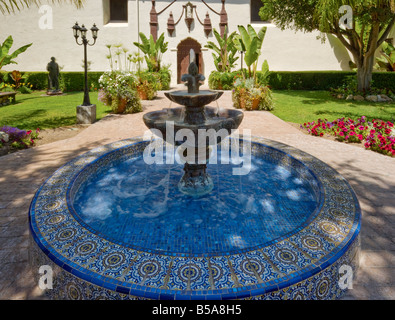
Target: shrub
{"type": "Point", "coordinates": [68, 81]}
{"type": "Point", "coordinates": [350, 87]}
{"type": "Point", "coordinates": [164, 78]}
{"type": "Point", "coordinates": [223, 80]}
{"type": "Point", "coordinates": [119, 91]}
{"type": "Point", "coordinates": [304, 80]}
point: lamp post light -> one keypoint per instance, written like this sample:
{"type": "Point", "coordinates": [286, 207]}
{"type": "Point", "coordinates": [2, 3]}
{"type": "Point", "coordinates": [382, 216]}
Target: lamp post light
{"type": "Point", "coordinates": [81, 31]}
{"type": "Point", "coordinates": [86, 113]}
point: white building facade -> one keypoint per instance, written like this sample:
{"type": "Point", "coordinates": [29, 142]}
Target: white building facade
{"type": "Point", "coordinates": [186, 24]}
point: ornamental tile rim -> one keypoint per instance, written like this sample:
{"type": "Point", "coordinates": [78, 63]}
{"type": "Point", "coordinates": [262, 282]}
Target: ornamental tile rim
{"type": "Point", "coordinates": [340, 247]}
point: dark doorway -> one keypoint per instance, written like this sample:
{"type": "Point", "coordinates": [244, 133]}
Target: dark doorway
{"type": "Point", "coordinates": [183, 50]}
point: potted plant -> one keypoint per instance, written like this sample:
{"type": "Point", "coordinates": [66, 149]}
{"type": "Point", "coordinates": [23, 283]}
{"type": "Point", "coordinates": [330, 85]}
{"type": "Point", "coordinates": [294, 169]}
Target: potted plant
{"type": "Point", "coordinates": [147, 85]}
{"type": "Point", "coordinates": [119, 91]}
{"type": "Point", "coordinates": [248, 93]}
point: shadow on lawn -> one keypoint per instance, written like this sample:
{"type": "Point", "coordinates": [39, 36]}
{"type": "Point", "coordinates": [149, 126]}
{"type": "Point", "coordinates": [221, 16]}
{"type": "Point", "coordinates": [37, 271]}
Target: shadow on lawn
{"type": "Point", "coordinates": [25, 121]}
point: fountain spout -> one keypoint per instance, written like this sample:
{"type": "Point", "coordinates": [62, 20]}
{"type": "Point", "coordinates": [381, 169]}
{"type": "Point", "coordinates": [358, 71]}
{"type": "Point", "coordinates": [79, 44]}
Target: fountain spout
{"type": "Point", "coordinates": [192, 78]}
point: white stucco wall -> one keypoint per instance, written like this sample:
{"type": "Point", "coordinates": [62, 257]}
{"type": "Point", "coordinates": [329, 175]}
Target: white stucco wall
{"type": "Point", "coordinates": [284, 50]}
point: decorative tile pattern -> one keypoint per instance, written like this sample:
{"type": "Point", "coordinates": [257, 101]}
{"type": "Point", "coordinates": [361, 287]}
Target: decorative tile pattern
{"type": "Point", "coordinates": [304, 264]}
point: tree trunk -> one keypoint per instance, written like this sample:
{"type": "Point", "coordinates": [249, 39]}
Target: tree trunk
{"type": "Point", "coordinates": [364, 73]}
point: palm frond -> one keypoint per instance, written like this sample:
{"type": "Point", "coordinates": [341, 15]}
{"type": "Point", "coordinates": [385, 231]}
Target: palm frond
{"type": "Point", "coordinates": [12, 6]}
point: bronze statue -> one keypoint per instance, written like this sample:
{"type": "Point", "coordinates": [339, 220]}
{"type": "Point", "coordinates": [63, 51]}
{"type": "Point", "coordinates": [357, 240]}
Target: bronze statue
{"type": "Point", "coordinates": [53, 76]}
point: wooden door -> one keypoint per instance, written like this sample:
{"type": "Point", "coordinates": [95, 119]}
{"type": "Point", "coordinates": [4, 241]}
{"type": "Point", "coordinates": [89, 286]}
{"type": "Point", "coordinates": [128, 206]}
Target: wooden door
{"type": "Point", "coordinates": [183, 50]}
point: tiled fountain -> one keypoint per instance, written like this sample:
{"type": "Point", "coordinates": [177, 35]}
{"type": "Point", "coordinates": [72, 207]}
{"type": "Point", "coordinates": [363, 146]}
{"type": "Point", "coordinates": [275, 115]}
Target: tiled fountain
{"type": "Point", "coordinates": [111, 226]}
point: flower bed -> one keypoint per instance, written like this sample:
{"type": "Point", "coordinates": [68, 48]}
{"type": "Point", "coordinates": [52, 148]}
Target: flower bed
{"type": "Point", "coordinates": [13, 139]}
{"type": "Point", "coordinates": [376, 135]}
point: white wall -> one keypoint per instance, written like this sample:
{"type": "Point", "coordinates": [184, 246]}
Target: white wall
{"type": "Point", "coordinates": [284, 50]}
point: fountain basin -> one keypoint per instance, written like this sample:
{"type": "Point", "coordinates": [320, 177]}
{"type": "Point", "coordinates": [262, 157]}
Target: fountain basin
{"type": "Point", "coordinates": [300, 262]}
{"type": "Point", "coordinates": [215, 119]}
{"type": "Point", "coordinates": [201, 98]}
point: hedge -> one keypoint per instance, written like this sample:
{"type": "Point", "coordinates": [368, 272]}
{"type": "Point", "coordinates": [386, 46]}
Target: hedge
{"type": "Point", "coordinates": [280, 80]}
{"type": "Point", "coordinates": [68, 81]}
{"type": "Point", "coordinates": [74, 81]}
{"type": "Point", "coordinates": [304, 80]}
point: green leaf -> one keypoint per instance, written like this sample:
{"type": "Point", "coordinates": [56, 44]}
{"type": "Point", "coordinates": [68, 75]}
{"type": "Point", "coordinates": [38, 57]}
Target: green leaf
{"type": "Point", "coordinates": [239, 44]}
{"type": "Point", "coordinates": [245, 37]}
{"type": "Point", "coordinates": [20, 50]}
{"type": "Point", "coordinates": [6, 58]}
{"type": "Point", "coordinates": [5, 47]}
{"type": "Point", "coordinates": [251, 54]}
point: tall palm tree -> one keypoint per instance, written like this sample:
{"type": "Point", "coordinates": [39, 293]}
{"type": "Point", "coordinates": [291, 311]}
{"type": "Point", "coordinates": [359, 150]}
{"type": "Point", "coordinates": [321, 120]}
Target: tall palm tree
{"type": "Point", "coordinates": [11, 6]}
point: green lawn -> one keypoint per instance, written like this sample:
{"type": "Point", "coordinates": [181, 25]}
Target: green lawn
{"type": "Point", "coordinates": [32, 111]}
{"type": "Point", "coordinates": [303, 106]}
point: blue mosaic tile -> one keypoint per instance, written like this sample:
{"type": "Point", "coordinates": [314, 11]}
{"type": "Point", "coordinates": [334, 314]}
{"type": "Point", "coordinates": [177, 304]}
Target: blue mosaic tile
{"type": "Point", "coordinates": [245, 269]}
{"type": "Point", "coordinates": [300, 265]}
{"type": "Point", "coordinates": [220, 272]}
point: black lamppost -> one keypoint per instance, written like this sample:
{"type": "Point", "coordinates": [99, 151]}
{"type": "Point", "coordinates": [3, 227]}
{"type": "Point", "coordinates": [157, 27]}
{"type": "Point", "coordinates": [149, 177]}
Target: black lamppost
{"type": "Point", "coordinates": [81, 31]}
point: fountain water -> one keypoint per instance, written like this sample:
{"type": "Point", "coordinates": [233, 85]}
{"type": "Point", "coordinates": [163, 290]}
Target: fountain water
{"type": "Point", "coordinates": [195, 117]}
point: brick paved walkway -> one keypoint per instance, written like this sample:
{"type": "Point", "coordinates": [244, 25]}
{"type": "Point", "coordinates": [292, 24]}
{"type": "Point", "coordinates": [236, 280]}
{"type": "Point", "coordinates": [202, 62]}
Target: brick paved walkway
{"type": "Point", "coordinates": [370, 174]}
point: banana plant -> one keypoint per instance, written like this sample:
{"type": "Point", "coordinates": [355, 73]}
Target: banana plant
{"type": "Point", "coordinates": [224, 53]}
{"type": "Point", "coordinates": [250, 42]}
{"type": "Point", "coordinates": [153, 50]}
{"type": "Point", "coordinates": [5, 57]}
{"type": "Point", "coordinates": [387, 59]}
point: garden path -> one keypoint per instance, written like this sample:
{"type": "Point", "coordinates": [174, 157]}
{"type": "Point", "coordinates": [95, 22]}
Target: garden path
{"type": "Point", "coordinates": [372, 176]}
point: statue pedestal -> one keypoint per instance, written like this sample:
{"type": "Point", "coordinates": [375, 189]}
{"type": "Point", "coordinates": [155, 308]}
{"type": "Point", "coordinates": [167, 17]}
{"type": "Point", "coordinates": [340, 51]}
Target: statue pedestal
{"type": "Point", "coordinates": [86, 114]}
{"type": "Point", "coordinates": [54, 93]}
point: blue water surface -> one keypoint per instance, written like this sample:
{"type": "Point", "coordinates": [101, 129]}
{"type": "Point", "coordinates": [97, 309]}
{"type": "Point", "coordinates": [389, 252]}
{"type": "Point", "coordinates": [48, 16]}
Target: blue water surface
{"type": "Point", "coordinates": [140, 206]}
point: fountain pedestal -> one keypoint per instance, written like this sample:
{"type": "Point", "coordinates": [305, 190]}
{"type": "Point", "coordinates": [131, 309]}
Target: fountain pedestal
{"type": "Point", "coordinates": [196, 181]}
